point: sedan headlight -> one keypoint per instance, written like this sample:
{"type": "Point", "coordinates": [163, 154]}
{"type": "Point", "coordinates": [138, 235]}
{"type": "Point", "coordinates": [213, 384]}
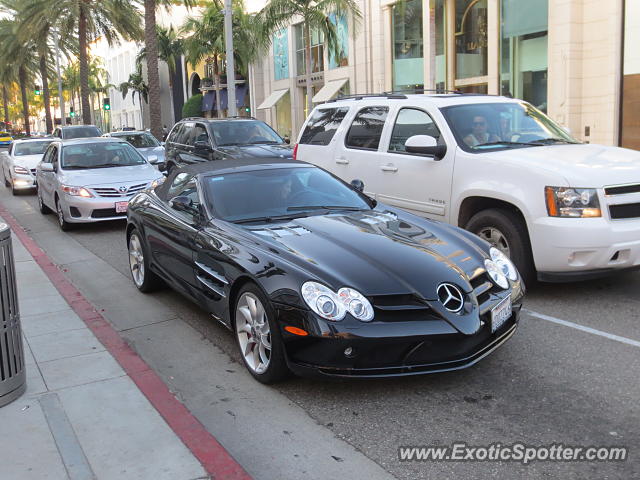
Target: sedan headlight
{"type": "Point", "coordinates": [334, 306]}
{"type": "Point", "coordinates": [76, 191]}
{"type": "Point", "coordinates": [572, 202]}
{"type": "Point", "coordinates": [20, 170]}
{"type": "Point", "coordinates": [504, 264]}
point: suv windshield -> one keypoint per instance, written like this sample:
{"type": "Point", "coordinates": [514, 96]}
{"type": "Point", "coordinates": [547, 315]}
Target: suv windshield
{"type": "Point", "coordinates": [244, 132]}
{"type": "Point", "coordinates": [30, 148]}
{"type": "Point", "coordinates": [483, 126]}
{"type": "Point", "coordinates": [138, 140]}
{"type": "Point", "coordinates": [265, 195]}
{"type": "Point", "coordinates": [100, 155]}
{"type": "Point", "coordinates": [81, 132]}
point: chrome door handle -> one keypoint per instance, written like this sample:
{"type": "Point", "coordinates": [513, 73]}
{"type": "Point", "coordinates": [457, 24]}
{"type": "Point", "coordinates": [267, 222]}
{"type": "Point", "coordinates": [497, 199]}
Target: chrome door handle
{"type": "Point", "coordinates": [388, 168]}
{"type": "Point", "coordinates": [342, 161]}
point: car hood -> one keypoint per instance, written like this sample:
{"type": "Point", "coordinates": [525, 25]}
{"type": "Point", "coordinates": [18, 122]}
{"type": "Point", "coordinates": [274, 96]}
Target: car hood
{"type": "Point", "coordinates": [149, 151]}
{"type": "Point", "coordinates": [258, 151]}
{"type": "Point", "coordinates": [27, 161]}
{"type": "Point", "coordinates": [584, 165]}
{"type": "Point", "coordinates": [103, 176]}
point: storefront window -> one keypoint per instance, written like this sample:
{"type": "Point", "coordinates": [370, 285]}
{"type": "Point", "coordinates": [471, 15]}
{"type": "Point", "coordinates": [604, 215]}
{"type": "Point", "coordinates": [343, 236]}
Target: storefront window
{"type": "Point", "coordinates": [283, 116]}
{"type": "Point", "coordinates": [408, 51]}
{"type": "Point", "coordinates": [471, 39]}
{"type": "Point", "coordinates": [342, 31]}
{"type": "Point", "coordinates": [438, 44]}
{"type": "Point", "coordinates": [630, 101]}
{"type": "Point", "coordinates": [523, 72]}
{"type": "Point", "coordinates": [280, 55]}
{"type": "Point", "coordinates": [317, 51]}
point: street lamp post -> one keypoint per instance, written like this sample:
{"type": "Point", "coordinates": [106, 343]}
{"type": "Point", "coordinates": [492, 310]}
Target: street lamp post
{"type": "Point", "coordinates": [63, 116]}
{"type": "Point", "coordinates": [231, 75]}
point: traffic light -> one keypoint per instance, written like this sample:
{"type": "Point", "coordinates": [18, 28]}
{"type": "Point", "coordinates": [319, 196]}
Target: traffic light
{"type": "Point", "coordinates": [247, 109]}
{"type": "Point", "coordinates": [72, 113]}
{"type": "Point", "coordinates": [106, 103]}
{"type": "Point", "coordinates": [37, 91]}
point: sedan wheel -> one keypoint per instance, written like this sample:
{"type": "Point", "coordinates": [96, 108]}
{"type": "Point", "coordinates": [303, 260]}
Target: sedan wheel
{"type": "Point", "coordinates": [43, 208]}
{"type": "Point", "coordinates": [136, 260]}
{"type": "Point", "coordinates": [64, 225]}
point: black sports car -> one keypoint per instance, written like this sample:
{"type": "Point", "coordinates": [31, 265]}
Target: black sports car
{"type": "Point", "coordinates": [315, 277]}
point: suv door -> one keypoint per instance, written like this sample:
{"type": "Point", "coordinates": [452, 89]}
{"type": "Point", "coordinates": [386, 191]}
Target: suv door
{"type": "Point", "coordinates": [414, 182]}
{"type": "Point", "coordinates": [172, 145]}
{"type": "Point", "coordinates": [359, 156]}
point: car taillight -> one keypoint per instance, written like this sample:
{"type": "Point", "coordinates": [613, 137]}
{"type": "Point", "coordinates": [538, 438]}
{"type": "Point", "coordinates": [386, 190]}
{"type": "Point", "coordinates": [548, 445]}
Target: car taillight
{"type": "Point", "coordinates": [295, 152]}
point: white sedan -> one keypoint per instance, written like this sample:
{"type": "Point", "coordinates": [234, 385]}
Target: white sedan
{"type": "Point", "coordinates": [20, 161]}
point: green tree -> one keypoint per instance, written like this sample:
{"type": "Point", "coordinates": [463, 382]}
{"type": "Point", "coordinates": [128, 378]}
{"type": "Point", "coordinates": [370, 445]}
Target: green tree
{"type": "Point", "coordinates": [278, 14]}
{"type": "Point", "coordinates": [193, 107]}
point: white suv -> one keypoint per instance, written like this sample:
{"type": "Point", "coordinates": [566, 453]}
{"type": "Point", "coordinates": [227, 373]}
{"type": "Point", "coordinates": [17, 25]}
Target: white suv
{"type": "Point", "coordinates": [562, 210]}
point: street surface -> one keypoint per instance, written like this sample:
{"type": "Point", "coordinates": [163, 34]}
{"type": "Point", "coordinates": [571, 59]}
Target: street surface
{"type": "Point", "coordinates": [551, 383]}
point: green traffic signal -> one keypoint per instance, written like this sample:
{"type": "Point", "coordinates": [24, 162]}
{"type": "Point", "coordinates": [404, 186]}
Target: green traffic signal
{"type": "Point", "coordinates": [37, 91]}
{"type": "Point", "coordinates": [106, 103]}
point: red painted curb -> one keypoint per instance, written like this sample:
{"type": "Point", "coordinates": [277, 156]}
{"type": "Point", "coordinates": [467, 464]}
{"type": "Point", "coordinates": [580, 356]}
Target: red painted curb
{"type": "Point", "coordinates": [214, 458]}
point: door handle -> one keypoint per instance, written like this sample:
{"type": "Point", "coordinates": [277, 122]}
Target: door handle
{"type": "Point", "coordinates": [388, 168]}
{"type": "Point", "coordinates": [342, 161]}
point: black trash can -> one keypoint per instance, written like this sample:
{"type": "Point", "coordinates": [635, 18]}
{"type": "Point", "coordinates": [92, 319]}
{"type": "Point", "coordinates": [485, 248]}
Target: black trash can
{"type": "Point", "coordinates": [12, 372]}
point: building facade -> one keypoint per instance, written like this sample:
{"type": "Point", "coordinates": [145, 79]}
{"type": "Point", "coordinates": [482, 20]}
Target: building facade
{"type": "Point", "coordinates": [566, 57]}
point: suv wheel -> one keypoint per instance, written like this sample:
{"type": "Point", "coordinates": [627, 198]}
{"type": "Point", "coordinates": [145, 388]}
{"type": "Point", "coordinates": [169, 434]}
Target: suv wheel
{"type": "Point", "coordinates": [507, 232]}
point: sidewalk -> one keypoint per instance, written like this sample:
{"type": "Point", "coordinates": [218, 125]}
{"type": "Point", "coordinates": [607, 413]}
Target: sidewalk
{"type": "Point", "coordinates": [82, 416]}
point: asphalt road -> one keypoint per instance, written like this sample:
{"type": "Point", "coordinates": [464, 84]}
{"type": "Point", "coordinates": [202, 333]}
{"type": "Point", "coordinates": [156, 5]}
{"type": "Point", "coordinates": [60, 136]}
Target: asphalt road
{"type": "Point", "coordinates": [551, 383]}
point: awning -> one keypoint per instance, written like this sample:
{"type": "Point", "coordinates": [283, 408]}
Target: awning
{"type": "Point", "coordinates": [329, 90]}
{"type": "Point", "coordinates": [208, 101]}
{"type": "Point", "coordinates": [272, 99]}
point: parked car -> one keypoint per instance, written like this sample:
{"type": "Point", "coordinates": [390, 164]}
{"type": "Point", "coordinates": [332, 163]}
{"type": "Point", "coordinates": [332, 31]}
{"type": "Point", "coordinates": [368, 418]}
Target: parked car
{"type": "Point", "coordinates": [77, 131]}
{"type": "Point", "coordinates": [5, 139]}
{"type": "Point", "coordinates": [314, 277]}
{"type": "Point", "coordinates": [195, 140]}
{"type": "Point", "coordinates": [91, 180]}
{"type": "Point", "coordinates": [19, 163]}
{"type": "Point", "coordinates": [500, 168]}
{"type": "Point", "coordinates": [147, 145]}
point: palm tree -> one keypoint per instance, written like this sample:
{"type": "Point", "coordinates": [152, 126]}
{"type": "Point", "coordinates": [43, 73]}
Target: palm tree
{"type": "Point", "coordinates": [315, 15]}
{"type": "Point", "coordinates": [111, 19]}
{"type": "Point", "coordinates": [136, 85]}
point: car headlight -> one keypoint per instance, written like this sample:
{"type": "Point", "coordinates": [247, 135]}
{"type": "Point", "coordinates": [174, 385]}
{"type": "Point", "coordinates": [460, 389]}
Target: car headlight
{"type": "Point", "coordinates": [572, 202]}
{"type": "Point", "coordinates": [76, 191]}
{"type": "Point", "coordinates": [20, 170]}
{"type": "Point", "coordinates": [334, 306]}
{"type": "Point", "coordinates": [495, 273]}
{"type": "Point", "coordinates": [504, 264]}
{"type": "Point", "coordinates": [157, 182]}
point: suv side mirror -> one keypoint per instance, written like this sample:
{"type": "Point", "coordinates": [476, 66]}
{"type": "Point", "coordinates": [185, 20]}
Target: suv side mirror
{"type": "Point", "coordinates": [202, 145]}
{"type": "Point", "coordinates": [425, 145]}
{"type": "Point", "coordinates": [358, 185]}
{"type": "Point", "coordinates": [182, 203]}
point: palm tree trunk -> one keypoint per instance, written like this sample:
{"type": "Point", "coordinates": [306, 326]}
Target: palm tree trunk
{"type": "Point", "coordinates": [84, 65]}
{"type": "Point", "coordinates": [5, 104]}
{"type": "Point", "coordinates": [307, 61]}
{"type": "Point", "coordinates": [153, 76]}
{"type": "Point", "coordinates": [22, 76]}
{"type": "Point", "coordinates": [46, 93]}
{"type": "Point", "coordinates": [216, 78]}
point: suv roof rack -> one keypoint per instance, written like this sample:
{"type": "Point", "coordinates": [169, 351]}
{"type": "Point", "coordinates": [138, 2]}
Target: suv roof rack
{"type": "Point", "coordinates": [209, 119]}
{"type": "Point", "coordinates": [360, 96]}
{"type": "Point", "coordinates": [427, 90]}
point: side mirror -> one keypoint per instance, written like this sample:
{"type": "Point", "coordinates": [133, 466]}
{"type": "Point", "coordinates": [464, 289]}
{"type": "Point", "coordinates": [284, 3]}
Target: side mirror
{"type": "Point", "coordinates": [46, 167]}
{"type": "Point", "coordinates": [287, 140]}
{"type": "Point", "coordinates": [162, 144]}
{"type": "Point", "coordinates": [358, 185]}
{"type": "Point", "coordinates": [182, 203]}
{"type": "Point", "coordinates": [202, 146]}
{"type": "Point", "coordinates": [425, 145]}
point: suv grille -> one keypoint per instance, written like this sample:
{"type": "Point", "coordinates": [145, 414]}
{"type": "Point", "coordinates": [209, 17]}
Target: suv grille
{"type": "Point", "coordinates": [617, 210]}
{"type": "Point", "coordinates": [628, 210]}
{"type": "Point", "coordinates": [114, 192]}
{"type": "Point", "coordinates": [621, 190]}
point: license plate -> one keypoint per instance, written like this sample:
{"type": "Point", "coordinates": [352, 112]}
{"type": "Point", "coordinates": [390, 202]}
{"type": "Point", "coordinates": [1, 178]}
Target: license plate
{"type": "Point", "coordinates": [500, 313]}
{"type": "Point", "coordinates": [121, 207]}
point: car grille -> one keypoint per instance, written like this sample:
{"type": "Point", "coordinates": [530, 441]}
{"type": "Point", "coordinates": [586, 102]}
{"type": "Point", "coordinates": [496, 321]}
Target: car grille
{"type": "Point", "coordinates": [619, 210]}
{"type": "Point", "coordinates": [114, 192]}
{"type": "Point", "coordinates": [483, 287]}
{"type": "Point", "coordinates": [106, 213]}
{"type": "Point", "coordinates": [33, 172]}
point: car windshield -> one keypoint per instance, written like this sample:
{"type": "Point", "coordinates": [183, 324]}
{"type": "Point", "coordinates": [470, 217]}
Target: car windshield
{"type": "Point", "coordinates": [280, 193]}
{"type": "Point", "coordinates": [81, 132]}
{"type": "Point", "coordinates": [100, 155]}
{"type": "Point", "coordinates": [139, 140]}
{"type": "Point", "coordinates": [30, 148]}
{"type": "Point", "coordinates": [482, 126]}
{"type": "Point", "coordinates": [244, 132]}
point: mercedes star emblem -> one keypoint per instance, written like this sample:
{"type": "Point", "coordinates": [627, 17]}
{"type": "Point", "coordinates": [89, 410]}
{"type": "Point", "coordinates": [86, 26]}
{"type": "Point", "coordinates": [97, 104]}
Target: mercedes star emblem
{"type": "Point", "coordinates": [451, 297]}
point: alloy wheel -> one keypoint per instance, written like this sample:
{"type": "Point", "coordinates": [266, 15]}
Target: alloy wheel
{"type": "Point", "coordinates": [496, 238]}
{"type": "Point", "coordinates": [136, 260]}
{"type": "Point", "coordinates": [253, 331]}
{"type": "Point", "coordinates": [60, 213]}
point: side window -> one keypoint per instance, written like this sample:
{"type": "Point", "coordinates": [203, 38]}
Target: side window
{"type": "Point", "coordinates": [46, 158]}
{"type": "Point", "coordinates": [178, 184]}
{"type": "Point", "coordinates": [322, 125]}
{"type": "Point", "coordinates": [175, 134]}
{"type": "Point", "coordinates": [366, 128]}
{"type": "Point", "coordinates": [186, 137]}
{"type": "Point", "coordinates": [53, 158]}
{"type": "Point", "coordinates": [410, 122]}
{"type": "Point", "coordinates": [187, 187]}
{"type": "Point", "coordinates": [200, 134]}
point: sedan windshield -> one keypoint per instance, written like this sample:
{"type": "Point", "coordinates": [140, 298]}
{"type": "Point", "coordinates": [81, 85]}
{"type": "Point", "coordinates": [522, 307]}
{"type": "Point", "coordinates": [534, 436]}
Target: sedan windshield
{"type": "Point", "coordinates": [139, 140]}
{"type": "Point", "coordinates": [482, 126]}
{"type": "Point", "coordinates": [100, 155]}
{"type": "Point", "coordinates": [244, 132]}
{"type": "Point", "coordinates": [30, 148]}
{"type": "Point", "coordinates": [281, 193]}
{"type": "Point", "coordinates": [81, 132]}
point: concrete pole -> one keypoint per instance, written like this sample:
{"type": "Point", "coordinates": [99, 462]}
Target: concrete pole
{"type": "Point", "coordinates": [228, 41]}
{"type": "Point", "coordinates": [63, 116]}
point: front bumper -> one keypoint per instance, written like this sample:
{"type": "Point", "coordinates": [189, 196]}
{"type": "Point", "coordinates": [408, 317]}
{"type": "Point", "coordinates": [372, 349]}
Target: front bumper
{"type": "Point", "coordinates": [23, 182]}
{"type": "Point", "coordinates": [88, 210]}
{"type": "Point", "coordinates": [392, 349]}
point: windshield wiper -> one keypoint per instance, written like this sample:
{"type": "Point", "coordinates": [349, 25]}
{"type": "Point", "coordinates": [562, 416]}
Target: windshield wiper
{"type": "Point", "coordinates": [269, 219]}
{"type": "Point", "coordinates": [324, 207]}
{"type": "Point", "coordinates": [264, 142]}
{"type": "Point", "coordinates": [554, 140]}
{"type": "Point", "coordinates": [107, 165]}
{"type": "Point", "coordinates": [490, 144]}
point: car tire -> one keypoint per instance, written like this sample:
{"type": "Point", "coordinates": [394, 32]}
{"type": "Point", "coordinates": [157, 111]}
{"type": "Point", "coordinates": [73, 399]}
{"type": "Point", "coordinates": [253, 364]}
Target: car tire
{"type": "Point", "coordinates": [143, 278]}
{"type": "Point", "coordinates": [248, 326]}
{"type": "Point", "coordinates": [506, 231]}
{"type": "Point", "coordinates": [14, 192]}
{"type": "Point", "coordinates": [62, 221]}
{"type": "Point", "coordinates": [7, 183]}
{"type": "Point", "coordinates": [41, 206]}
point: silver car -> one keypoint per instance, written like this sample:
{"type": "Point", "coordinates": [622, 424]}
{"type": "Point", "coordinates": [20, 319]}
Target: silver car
{"type": "Point", "coordinates": [92, 179]}
{"type": "Point", "coordinates": [147, 145]}
{"type": "Point", "coordinates": [19, 163]}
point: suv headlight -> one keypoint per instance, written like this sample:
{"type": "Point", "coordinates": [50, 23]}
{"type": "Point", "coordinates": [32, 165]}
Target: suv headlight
{"type": "Point", "coordinates": [20, 170]}
{"type": "Point", "coordinates": [334, 306]}
{"type": "Point", "coordinates": [572, 202]}
{"type": "Point", "coordinates": [76, 191]}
